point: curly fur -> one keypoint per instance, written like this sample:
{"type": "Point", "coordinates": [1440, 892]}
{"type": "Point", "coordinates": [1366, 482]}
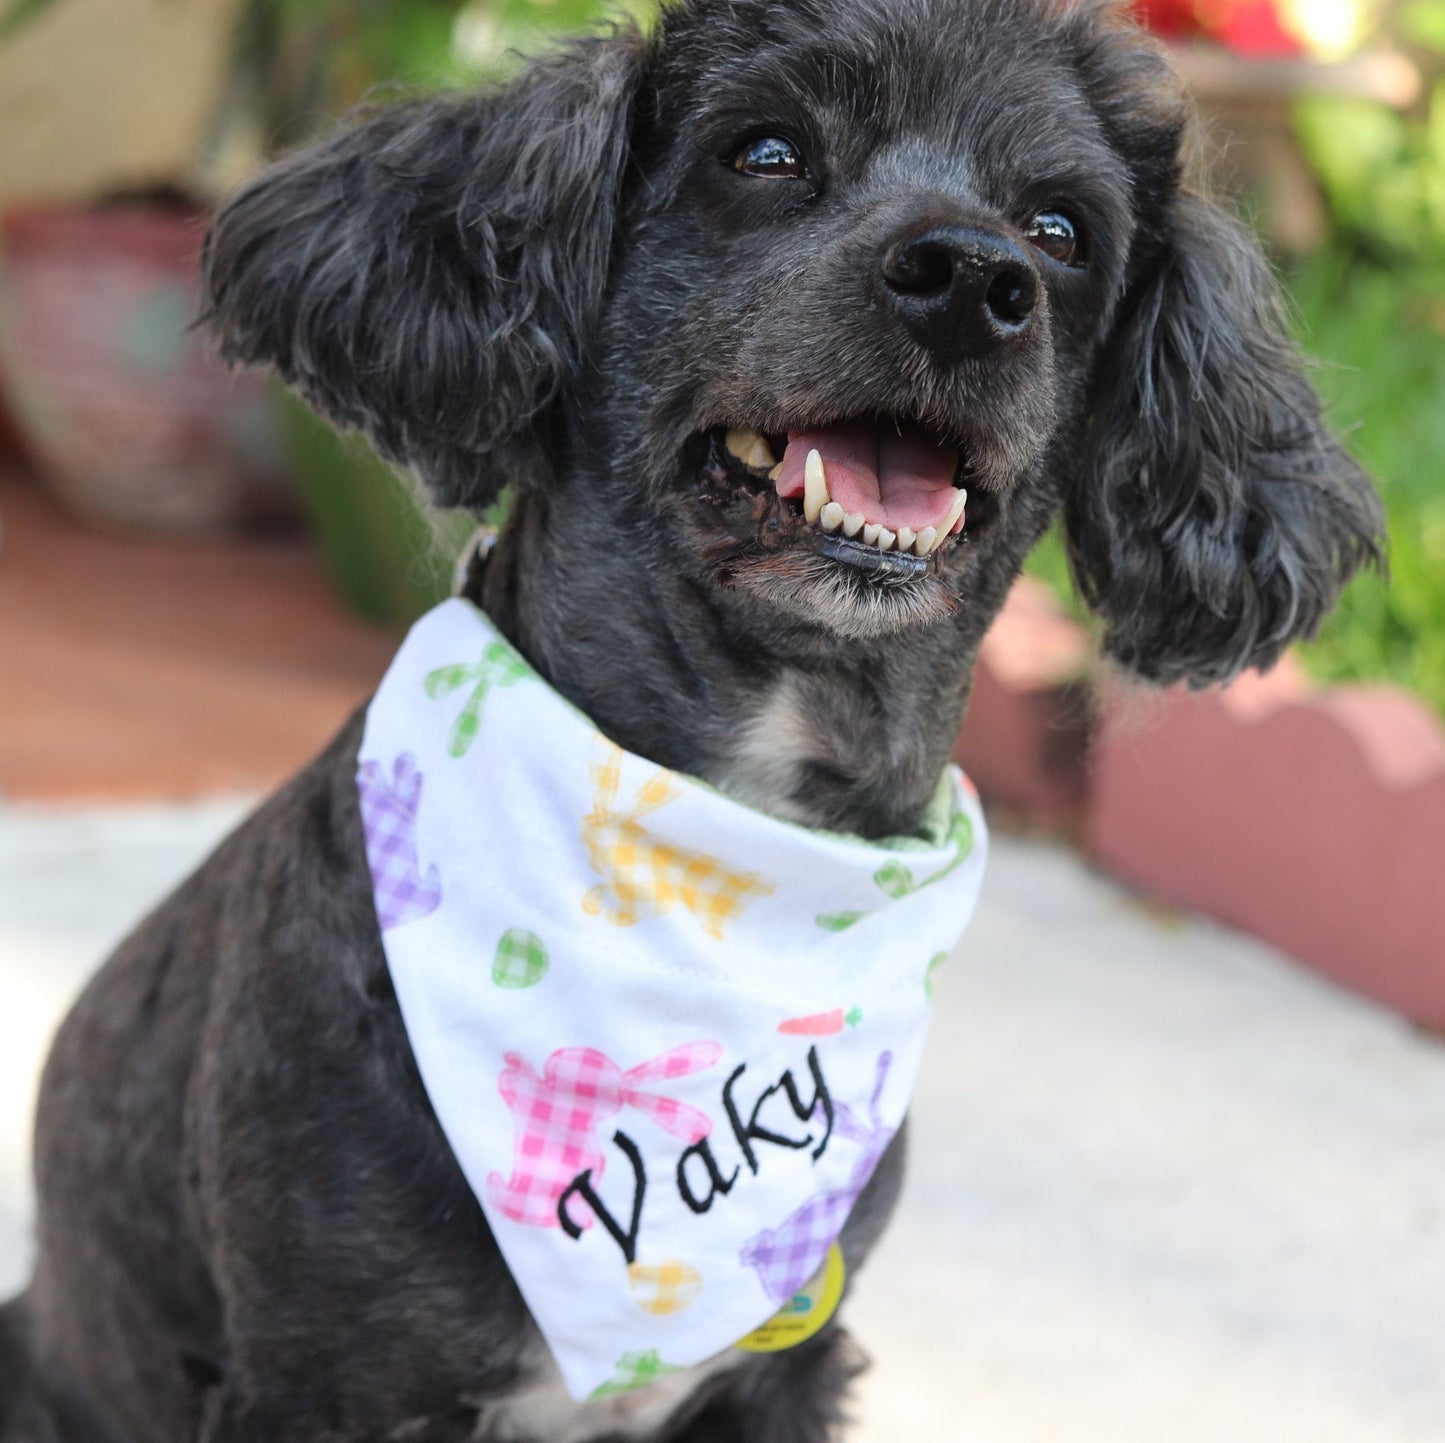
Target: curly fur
{"type": "Point", "coordinates": [432, 277]}
{"type": "Point", "coordinates": [1214, 516]}
{"type": "Point", "coordinates": [251, 1229]}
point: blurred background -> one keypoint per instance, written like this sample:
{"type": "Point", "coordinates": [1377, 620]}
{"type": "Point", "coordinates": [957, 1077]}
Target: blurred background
{"type": "Point", "coordinates": [1170, 1181]}
{"type": "Point", "coordinates": [124, 119]}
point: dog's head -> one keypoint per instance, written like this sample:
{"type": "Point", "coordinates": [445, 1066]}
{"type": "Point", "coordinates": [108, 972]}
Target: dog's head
{"type": "Point", "coordinates": [760, 296]}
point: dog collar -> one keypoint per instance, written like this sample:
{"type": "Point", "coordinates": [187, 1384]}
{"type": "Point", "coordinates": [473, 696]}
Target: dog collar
{"type": "Point", "coordinates": [667, 1037]}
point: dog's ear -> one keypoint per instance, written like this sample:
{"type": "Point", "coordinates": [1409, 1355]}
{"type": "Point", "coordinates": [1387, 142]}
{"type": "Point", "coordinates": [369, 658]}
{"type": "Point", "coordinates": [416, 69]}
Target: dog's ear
{"type": "Point", "coordinates": [1214, 519]}
{"type": "Point", "coordinates": [432, 275]}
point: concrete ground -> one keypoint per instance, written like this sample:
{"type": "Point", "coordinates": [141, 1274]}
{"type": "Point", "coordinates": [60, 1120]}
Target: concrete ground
{"type": "Point", "coordinates": [1165, 1186]}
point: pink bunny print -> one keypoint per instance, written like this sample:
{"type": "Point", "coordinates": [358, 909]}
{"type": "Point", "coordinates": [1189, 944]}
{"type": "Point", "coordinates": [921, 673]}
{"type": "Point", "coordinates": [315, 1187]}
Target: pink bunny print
{"type": "Point", "coordinates": [558, 1114]}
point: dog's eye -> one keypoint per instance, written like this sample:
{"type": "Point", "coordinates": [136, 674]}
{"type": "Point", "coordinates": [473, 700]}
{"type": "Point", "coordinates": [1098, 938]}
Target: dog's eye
{"type": "Point", "coordinates": [1057, 236]}
{"type": "Point", "coordinates": [772, 157]}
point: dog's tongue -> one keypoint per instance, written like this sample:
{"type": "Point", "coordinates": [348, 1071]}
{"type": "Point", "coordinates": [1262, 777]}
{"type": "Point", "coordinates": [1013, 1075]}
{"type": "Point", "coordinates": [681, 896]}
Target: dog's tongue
{"type": "Point", "coordinates": [890, 478]}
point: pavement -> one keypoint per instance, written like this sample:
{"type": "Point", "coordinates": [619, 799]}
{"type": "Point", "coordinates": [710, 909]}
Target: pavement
{"type": "Point", "coordinates": [1164, 1184]}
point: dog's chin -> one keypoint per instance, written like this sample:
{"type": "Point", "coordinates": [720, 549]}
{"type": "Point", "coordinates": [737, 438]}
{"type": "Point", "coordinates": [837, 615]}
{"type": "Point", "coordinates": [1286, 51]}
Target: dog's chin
{"type": "Point", "coordinates": [799, 520]}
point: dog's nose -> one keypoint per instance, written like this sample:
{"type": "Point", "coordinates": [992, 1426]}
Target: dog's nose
{"type": "Point", "coordinates": [961, 290]}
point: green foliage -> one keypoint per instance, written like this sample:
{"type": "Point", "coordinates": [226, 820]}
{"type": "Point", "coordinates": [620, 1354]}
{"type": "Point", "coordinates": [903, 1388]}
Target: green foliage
{"type": "Point", "coordinates": [1372, 308]}
{"type": "Point", "coordinates": [524, 25]}
{"type": "Point", "coordinates": [1049, 562]}
{"type": "Point", "coordinates": [1383, 173]}
{"type": "Point", "coordinates": [298, 64]}
{"type": "Point", "coordinates": [1380, 335]}
{"type": "Point", "coordinates": [1422, 22]}
{"type": "Point", "coordinates": [18, 14]}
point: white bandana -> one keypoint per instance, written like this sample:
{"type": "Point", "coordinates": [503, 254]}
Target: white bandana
{"type": "Point", "coordinates": [667, 1037]}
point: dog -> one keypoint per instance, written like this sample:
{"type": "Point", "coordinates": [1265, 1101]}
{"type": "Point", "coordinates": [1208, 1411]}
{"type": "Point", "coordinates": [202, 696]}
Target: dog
{"type": "Point", "coordinates": [739, 308]}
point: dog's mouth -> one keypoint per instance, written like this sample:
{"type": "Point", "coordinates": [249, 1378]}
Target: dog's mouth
{"type": "Point", "coordinates": [885, 496]}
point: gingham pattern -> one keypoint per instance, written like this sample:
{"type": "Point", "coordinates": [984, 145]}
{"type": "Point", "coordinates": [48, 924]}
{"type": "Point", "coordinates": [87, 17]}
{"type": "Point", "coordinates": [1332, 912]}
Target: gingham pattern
{"type": "Point", "coordinates": [558, 1115]}
{"type": "Point", "coordinates": [521, 959]}
{"type": "Point", "coordinates": [388, 819]}
{"type": "Point", "coordinates": [646, 877]}
{"type": "Point", "coordinates": [610, 971]}
{"type": "Point", "coordinates": [787, 1256]}
{"type": "Point", "coordinates": [664, 1288]}
{"type": "Point", "coordinates": [634, 1370]}
{"type": "Point", "coordinates": [499, 666]}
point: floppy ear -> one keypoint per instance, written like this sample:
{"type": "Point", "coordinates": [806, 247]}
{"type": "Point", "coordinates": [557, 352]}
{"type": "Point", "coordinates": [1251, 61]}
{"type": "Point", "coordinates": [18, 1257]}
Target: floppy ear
{"type": "Point", "coordinates": [432, 275]}
{"type": "Point", "coordinates": [1214, 519]}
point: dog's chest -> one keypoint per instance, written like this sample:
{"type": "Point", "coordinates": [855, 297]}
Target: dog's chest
{"type": "Point", "coordinates": [771, 754]}
{"type": "Point", "coordinates": [542, 1411]}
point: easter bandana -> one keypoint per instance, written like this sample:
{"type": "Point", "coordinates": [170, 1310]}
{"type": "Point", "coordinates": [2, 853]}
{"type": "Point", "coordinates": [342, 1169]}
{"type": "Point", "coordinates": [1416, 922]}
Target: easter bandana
{"type": "Point", "coordinates": [668, 1037]}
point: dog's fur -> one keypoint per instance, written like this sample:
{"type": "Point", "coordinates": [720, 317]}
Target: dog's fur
{"type": "Point", "coordinates": [250, 1225]}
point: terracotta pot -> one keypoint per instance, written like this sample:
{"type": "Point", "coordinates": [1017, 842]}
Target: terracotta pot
{"type": "Point", "coordinates": [1314, 819]}
{"type": "Point", "coordinates": [1026, 735]}
{"type": "Point", "coordinates": [128, 415]}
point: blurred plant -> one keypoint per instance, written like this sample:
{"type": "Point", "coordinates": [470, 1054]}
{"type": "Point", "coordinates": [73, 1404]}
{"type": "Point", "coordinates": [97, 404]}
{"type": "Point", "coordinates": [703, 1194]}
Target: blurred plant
{"type": "Point", "coordinates": [1383, 172]}
{"type": "Point", "coordinates": [1383, 175]}
{"type": "Point", "coordinates": [1422, 23]}
{"type": "Point", "coordinates": [1381, 337]}
{"type": "Point", "coordinates": [296, 65]}
{"type": "Point", "coordinates": [1372, 305]}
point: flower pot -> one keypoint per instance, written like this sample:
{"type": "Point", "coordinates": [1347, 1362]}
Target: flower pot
{"type": "Point", "coordinates": [130, 418]}
{"type": "Point", "coordinates": [1313, 818]}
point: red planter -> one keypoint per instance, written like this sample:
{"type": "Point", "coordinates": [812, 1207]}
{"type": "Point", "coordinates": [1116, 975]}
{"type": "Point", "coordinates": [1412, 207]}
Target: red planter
{"type": "Point", "coordinates": [1311, 817]}
{"type": "Point", "coordinates": [1314, 819]}
{"type": "Point", "coordinates": [1026, 735]}
{"type": "Point", "coordinates": [130, 419]}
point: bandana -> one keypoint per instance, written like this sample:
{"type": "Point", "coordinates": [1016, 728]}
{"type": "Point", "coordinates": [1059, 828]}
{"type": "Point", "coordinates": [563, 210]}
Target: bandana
{"type": "Point", "coordinates": [667, 1037]}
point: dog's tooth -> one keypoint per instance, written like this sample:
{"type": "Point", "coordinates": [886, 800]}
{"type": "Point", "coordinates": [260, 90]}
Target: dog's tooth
{"type": "Point", "coordinates": [740, 442]}
{"type": "Point", "coordinates": [751, 448]}
{"type": "Point", "coordinates": [775, 472]}
{"type": "Point", "coordinates": [831, 517]}
{"type": "Point", "coordinates": [906, 537]}
{"type": "Point", "coordinates": [886, 539]}
{"type": "Point", "coordinates": [815, 486]}
{"type": "Point", "coordinates": [955, 514]}
{"type": "Point", "coordinates": [853, 523]}
{"type": "Point", "coordinates": [871, 533]}
{"type": "Point", "coordinates": [927, 540]}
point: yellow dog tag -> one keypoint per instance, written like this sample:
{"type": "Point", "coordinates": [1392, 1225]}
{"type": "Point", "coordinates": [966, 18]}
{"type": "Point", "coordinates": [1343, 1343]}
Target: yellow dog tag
{"type": "Point", "coordinates": [806, 1314]}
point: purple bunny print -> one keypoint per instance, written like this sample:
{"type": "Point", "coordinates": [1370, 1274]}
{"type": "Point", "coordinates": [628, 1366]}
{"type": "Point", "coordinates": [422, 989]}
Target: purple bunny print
{"type": "Point", "coordinates": [388, 817]}
{"type": "Point", "coordinates": [787, 1256]}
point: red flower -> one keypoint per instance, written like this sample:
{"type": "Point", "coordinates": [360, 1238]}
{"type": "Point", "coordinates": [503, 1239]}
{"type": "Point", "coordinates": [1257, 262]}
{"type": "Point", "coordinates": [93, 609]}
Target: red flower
{"type": "Point", "coordinates": [1170, 17]}
{"type": "Point", "coordinates": [1253, 27]}
{"type": "Point", "coordinates": [1250, 27]}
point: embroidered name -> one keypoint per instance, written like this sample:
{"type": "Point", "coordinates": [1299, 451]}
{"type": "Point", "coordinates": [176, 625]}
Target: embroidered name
{"type": "Point", "coordinates": [701, 1179]}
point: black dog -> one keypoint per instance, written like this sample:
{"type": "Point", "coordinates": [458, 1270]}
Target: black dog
{"type": "Point", "coordinates": [949, 237]}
